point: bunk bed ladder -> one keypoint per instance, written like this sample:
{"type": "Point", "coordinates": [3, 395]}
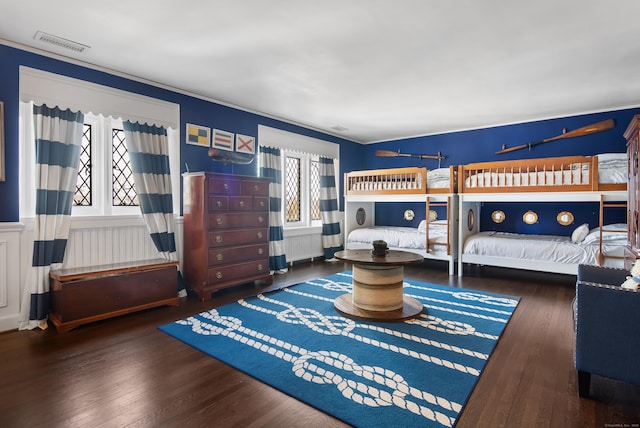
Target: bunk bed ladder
{"type": "Point", "coordinates": [604, 204]}
{"type": "Point", "coordinates": [446, 204]}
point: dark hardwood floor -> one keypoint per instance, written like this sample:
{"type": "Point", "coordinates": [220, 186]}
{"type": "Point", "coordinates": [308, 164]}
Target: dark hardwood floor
{"type": "Point", "coordinates": [125, 372]}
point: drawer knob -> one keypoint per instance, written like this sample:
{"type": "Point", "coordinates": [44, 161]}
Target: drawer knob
{"type": "Point", "coordinates": [226, 186]}
{"type": "Point", "coordinates": [218, 239]}
{"type": "Point", "coordinates": [242, 203]}
{"type": "Point", "coordinates": [219, 220]}
{"type": "Point", "coordinates": [259, 234]}
{"type": "Point", "coordinates": [256, 187]}
{"type": "Point", "coordinates": [261, 204]}
{"type": "Point", "coordinates": [260, 219]}
{"type": "Point", "coordinates": [260, 267]}
{"type": "Point", "coordinates": [260, 251]}
{"type": "Point", "coordinates": [219, 275]}
{"type": "Point", "coordinates": [219, 257]}
{"type": "Point", "coordinates": [219, 204]}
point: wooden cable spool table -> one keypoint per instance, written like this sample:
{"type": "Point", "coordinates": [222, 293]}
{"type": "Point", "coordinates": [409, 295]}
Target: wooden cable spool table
{"type": "Point", "coordinates": [378, 286]}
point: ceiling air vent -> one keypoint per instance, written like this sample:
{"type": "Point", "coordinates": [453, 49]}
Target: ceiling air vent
{"type": "Point", "coordinates": [60, 42]}
{"type": "Point", "coordinates": [339, 128]}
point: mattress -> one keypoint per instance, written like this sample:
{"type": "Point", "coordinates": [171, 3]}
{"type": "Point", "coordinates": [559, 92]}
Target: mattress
{"type": "Point", "coordinates": [400, 237]}
{"type": "Point", "coordinates": [548, 248]}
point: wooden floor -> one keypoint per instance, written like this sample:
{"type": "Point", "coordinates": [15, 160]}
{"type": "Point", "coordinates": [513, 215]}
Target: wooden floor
{"type": "Point", "coordinates": [125, 372]}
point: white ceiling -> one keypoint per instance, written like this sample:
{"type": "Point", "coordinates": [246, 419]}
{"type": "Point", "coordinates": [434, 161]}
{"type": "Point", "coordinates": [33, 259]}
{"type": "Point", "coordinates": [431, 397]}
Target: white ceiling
{"type": "Point", "coordinates": [382, 69]}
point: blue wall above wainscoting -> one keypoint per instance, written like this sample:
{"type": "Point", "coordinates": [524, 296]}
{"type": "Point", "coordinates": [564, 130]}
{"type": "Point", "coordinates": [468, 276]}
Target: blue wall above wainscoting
{"type": "Point", "coordinates": [481, 145]}
{"type": "Point", "coordinates": [192, 110]}
{"type": "Point", "coordinates": [458, 147]}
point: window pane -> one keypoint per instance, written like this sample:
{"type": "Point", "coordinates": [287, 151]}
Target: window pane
{"type": "Point", "coordinates": [124, 193]}
{"type": "Point", "coordinates": [315, 189]}
{"type": "Point", "coordinates": [83, 193]}
{"type": "Point", "coordinates": [292, 189]}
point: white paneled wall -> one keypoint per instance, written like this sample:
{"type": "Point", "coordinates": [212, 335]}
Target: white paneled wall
{"type": "Point", "coordinates": [104, 241]}
{"type": "Point", "coordinates": [99, 246]}
{"type": "Point", "coordinates": [112, 242]}
{"type": "Point", "coordinates": [10, 274]}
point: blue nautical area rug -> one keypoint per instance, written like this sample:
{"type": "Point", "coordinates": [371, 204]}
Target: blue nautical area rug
{"type": "Point", "coordinates": [416, 373]}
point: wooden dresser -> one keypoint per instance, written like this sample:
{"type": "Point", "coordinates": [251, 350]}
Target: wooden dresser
{"type": "Point", "coordinates": [226, 231]}
{"type": "Point", "coordinates": [632, 135]}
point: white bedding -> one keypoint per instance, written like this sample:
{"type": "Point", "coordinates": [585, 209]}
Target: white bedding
{"type": "Point", "coordinates": [612, 169]}
{"type": "Point", "coordinates": [550, 248]}
{"type": "Point", "coordinates": [400, 237]}
{"type": "Point", "coordinates": [438, 178]}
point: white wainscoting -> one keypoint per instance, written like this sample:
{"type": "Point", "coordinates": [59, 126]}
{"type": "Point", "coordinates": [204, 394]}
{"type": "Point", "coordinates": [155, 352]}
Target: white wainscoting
{"type": "Point", "coordinates": [10, 275]}
{"type": "Point", "coordinates": [113, 240]}
{"type": "Point", "coordinates": [104, 240]}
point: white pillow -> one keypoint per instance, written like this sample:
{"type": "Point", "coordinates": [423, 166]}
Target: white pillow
{"type": "Point", "coordinates": [422, 227]}
{"type": "Point", "coordinates": [580, 233]}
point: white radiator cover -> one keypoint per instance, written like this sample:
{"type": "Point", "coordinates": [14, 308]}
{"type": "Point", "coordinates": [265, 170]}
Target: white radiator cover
{"type": "Point", "coordinates": [303, 247]}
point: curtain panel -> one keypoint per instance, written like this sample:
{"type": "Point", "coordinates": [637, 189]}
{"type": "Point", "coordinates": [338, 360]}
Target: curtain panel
{"type": "Point", "coordinates": [148, 150]}
{"type": "Point", "coordinates": [329, 213]}
{"type": "Point", "coordinates": [58, 140]}
{"type": "Point", "coordinates": [270, 161]}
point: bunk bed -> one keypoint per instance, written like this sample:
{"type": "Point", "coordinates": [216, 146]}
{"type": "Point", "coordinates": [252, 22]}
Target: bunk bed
{"type": "Point", "coordinates": [600, 179]}
{"type": "Point", "coordinates": [433, 239]}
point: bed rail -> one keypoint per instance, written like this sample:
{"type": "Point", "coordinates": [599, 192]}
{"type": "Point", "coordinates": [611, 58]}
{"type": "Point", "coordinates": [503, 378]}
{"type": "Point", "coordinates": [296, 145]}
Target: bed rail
{"type": "Point", "coordinates": [558, 174]}
{"type": "Point", "coordinates": [410, 180]}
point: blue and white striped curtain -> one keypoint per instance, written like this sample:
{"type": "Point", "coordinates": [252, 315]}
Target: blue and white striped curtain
{"type": "Point", "coordinates": [58, 140]}
{"type": "Point", "coordinates": [331, 234]}
{"type": "Point", "coordinates": [270, 166]}
{"type": "Point", "coordinates": [148, 149]}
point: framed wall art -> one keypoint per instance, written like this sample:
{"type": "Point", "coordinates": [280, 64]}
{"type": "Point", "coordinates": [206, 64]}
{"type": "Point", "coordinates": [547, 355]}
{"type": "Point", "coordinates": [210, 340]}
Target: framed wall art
{"type": "Point", "coordinates": [222, 140]}
{"type": "Point", "coordinates": [2, 174]}
{"type": "Point", "coordinates": [198, 135]}
{"type": "Point", "coordinates": [245, 144]}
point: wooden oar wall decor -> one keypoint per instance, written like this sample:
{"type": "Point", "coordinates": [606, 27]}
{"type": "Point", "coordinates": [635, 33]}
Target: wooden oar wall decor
{"type": "Point", "coordinates": [585, 130]}
{"type": "Point", "coordinates": [391, 153]}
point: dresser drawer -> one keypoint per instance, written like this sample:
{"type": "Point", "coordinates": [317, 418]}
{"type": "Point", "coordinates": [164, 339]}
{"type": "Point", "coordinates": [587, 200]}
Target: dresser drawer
{"type": "Point", "coordinates": [255, 188]}
{"type": "Point", "coordinates": [238, 271]}
{"type": "Point", "coordinates": [237, 237]}
{"type": "Point", "coordinates": [237, 220]}
{"type": "Point", "coordinates": [224, 186]}
{"type": "Point", "coordinates": [223, 255]}
{"type": "Point", "coordinates": [261, 203]}
{"type": "Point", "coordinates": [218, 203]}
{"type": "Point", "coordinates": [240, 203]}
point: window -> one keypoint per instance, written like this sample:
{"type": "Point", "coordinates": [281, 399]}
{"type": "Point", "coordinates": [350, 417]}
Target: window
{"type": "Point", "coordinates": [301, 189]}
{"type": "Point", "coordinates": [94, 196]}
{"type": "Point", "coordinates": [83, 193]}
{"type": "Point", "coordinates": [105, 180]}
{"type": "Point", "coordinates": [300, 166]}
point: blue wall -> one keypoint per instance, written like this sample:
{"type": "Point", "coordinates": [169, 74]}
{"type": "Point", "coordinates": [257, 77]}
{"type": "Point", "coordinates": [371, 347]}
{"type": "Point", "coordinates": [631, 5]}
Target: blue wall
{"type": "Point", "coordinates": [482, 144]}
{"type": "Point", "coordinates": [192, 110]}
{"type": "Point", "coordinates": [458, 147]}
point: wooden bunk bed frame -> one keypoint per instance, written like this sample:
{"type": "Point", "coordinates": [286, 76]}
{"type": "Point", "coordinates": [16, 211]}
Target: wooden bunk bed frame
{"type": "Point", "coordinates": [559, 183]}
{"type": "Point", "coordinates": [557, 175]}
{"type": "Point", "coordinates": [362, 189]}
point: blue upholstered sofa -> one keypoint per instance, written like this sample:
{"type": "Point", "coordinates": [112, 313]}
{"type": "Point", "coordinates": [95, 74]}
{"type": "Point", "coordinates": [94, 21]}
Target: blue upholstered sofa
{"type": "Point", "coordinates": [607, 327]}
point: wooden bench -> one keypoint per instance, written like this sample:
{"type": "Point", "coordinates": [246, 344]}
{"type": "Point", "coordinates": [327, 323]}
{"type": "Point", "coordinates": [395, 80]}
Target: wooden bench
{"type": "Point", "coordinates": [84, 295]}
